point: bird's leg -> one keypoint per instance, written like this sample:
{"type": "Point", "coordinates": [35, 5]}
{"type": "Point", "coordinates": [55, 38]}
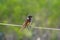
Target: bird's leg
{"type": "Point", "coordinates": [29, 26]}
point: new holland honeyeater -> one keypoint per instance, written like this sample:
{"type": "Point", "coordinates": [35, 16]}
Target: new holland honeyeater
{"type": "Point", "coordinates": [27, 22]}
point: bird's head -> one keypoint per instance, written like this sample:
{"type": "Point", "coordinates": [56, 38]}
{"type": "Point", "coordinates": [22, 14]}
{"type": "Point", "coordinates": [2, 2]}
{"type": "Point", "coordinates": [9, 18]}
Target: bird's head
{"type": "Point", "coordinates": [29, 16]}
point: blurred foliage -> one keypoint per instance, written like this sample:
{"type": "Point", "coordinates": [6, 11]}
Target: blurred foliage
{"type": "Point", "coordinates": [15, 12]}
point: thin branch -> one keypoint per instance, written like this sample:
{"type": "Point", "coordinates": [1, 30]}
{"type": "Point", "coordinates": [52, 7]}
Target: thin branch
{"type": "Point", "coordinates": [32, 27]}
{"type": "Point", "coordinates": [47, 28]}
{"type": "Point", "coordinates": [9, 24]}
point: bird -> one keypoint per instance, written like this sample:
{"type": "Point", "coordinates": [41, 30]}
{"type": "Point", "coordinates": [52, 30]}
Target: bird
{"type": "Point", "coordinates": [27, 22]}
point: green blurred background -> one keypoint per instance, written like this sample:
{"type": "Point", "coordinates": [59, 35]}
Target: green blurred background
{"type": "Point", "coordinates": [46, 13]}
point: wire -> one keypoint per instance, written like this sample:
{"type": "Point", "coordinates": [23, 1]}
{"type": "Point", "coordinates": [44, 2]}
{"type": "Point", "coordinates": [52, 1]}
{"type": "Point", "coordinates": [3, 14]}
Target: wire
{"type": "Point", "coordinates": [32, 27]}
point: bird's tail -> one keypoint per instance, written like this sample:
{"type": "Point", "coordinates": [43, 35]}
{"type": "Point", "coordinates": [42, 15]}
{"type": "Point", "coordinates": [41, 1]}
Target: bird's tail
{"type": "Point", "coordinates": [23, 27]}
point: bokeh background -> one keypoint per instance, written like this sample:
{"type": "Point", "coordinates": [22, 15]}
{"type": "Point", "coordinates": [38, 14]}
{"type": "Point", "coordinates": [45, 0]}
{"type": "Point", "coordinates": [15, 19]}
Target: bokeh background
{"type": "Point", "coordinates": [46, 13]}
